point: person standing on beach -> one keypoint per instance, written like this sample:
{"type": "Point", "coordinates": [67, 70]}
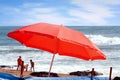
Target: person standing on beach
{"type": "Point", "coordinates": [19, 63]}
{"type": "Point", "coordinates": [22, 69]}
{"type": "Point", "coordinates": [32, 65]}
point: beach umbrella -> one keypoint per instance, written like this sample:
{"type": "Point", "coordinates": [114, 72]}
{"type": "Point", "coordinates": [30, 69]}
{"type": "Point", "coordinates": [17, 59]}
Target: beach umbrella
{"type": "Point", "coordinates": [57, 39]}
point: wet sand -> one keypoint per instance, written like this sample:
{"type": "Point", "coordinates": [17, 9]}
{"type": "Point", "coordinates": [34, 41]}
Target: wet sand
{"type": "Point", "coordinates": [15, 72]}
{"type": "Point", "coordinates": [26, 73]}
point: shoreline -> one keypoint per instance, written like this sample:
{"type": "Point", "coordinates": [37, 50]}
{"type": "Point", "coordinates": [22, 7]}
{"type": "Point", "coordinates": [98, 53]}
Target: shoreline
{"type": "Point", "coordinates": [11, 69]}
{"type": "Point", "coordinates": [15, 72]}
{"type": "Point", "coordinates": [26, 73]}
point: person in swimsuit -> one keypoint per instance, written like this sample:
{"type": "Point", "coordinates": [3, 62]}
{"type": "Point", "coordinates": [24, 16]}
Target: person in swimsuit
{"type": "Point", "coordinates": [32, 65]}
{"type": "Point", "coordinates": [19, 63]}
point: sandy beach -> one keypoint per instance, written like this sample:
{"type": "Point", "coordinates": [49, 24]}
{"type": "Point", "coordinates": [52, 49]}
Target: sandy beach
{"type": "Point", "coordinates": [26, 73]}
{"type": "Point", "coordinates": [15, 72]}
{"type": "Point", "coordinates": [43, 73]}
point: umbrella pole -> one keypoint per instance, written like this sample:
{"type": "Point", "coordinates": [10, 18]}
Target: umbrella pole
{"type": "Point", "coordinates": [51, 65]}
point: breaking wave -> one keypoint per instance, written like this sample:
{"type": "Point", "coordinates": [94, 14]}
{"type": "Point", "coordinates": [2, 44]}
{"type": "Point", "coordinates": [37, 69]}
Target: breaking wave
{"type": "Point", "coordinates": [103, 40]}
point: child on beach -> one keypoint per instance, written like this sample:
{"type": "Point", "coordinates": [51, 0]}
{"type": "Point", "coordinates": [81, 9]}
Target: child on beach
{"type": "Point", "coordinates": [32, 65]}
{"type": "Point", "coordinates": [26, 67]}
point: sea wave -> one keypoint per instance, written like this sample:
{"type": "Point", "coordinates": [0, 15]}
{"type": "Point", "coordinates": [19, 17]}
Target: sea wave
{"type": "Point", "coordinates": [62, 64]}
{"type": "Point", "coordinates": [103, 40]}
{"type": "Point", "coordinates": [22, 47]}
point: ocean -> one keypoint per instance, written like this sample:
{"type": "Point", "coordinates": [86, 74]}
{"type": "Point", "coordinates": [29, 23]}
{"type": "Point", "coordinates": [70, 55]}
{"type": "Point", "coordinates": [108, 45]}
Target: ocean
{"type": "Point", "coordinates": [107, 38]}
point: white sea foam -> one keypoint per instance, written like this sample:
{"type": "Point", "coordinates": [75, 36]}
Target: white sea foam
{"type": "Point", "coordinates": [14, 47]}
{"type": "Point", "coordinates": [62, 64]}
{"type": "Point", "coordinates": [102, 40]}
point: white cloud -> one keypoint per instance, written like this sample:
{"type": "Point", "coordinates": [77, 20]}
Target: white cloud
{"type": "Point", "coordinates": [31, 4]}
{"type": "Point", "coordinates": [26, 15]}
{"type": "Point", "coordinates": [94, 11]}
{"type": "Point", "coordinates": [110, 2]}
{"type": "Point", "coordinates": [79, 12]}
{"type": "Point", "coordinates": [50, 18]}
{"type": "Point", "coordinates": [88, 17]}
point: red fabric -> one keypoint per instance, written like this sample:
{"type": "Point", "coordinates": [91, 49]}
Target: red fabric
{"type": "Point", "coordinates": [57, 39]}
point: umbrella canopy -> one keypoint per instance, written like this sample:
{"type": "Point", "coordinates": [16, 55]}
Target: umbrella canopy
{"type": "Point", "coordinates": [57, 39]}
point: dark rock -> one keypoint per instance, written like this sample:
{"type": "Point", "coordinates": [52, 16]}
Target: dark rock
{"type": "Point", "coordinates": [80, 73]}
{"type": "Point", "coordinates": [116, 78]}
{"type": "Point", "coordinates": [44, 74]}
{"type": "Point", "coordinates": [85, 73]}
{"type": "Point", "coordinates": [7, 66]}
{"type": "Point", "coordinates": [3, 66]}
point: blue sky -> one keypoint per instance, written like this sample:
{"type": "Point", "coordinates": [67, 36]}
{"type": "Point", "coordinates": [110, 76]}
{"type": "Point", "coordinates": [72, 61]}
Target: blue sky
{"type": "Point", "coordinates": [65, 12]}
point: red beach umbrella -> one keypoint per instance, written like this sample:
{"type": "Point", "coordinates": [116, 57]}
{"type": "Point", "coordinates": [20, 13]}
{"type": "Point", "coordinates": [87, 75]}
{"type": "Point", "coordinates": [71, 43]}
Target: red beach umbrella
{"type": "Point", "coordinates": [57, 39]}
